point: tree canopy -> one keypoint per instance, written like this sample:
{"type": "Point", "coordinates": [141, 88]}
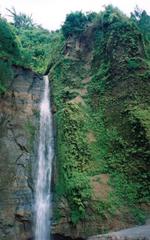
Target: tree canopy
{"type": "Point", "coordinates": [9, 44]}
{"type": "Point", "coordinates": [74, 24]}
{"type": "Point", "coordinates": [21, 20]}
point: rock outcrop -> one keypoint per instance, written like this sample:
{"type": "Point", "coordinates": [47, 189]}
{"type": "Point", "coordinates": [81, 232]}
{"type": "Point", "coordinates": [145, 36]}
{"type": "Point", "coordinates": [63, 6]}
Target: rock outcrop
{"type": "Point", "coordinates": [140, 233]}
{"type": "Point", "coordinates": [19, 124]}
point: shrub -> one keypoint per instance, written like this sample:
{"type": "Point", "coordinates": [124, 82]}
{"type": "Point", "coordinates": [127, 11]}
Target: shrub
{"type": "Point", "coordinates": [6, 75]}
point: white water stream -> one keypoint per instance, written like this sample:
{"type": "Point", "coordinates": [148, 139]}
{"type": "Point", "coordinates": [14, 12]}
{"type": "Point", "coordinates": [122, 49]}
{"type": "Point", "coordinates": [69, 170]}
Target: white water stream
{"type": "Point", "coordinates": [45, 157]}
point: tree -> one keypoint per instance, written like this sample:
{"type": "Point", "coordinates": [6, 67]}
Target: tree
{"type": "Point", "coordinates": [142, 20]}
{"type": "Point", "coordinates": [9, 43]}
{"type": "Point", "coordinates": [21, 20]}
{"type": "Point", "coordinates": [74, 24]}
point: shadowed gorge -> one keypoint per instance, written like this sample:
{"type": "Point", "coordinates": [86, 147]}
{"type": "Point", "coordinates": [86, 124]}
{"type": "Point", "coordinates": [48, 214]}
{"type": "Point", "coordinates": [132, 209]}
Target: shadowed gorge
{"type": "Point", "coordinates": [98, 75]}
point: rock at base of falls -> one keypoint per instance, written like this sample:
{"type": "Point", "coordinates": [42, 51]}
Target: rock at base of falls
{"type": "Point", "coordinates": [136, 233]}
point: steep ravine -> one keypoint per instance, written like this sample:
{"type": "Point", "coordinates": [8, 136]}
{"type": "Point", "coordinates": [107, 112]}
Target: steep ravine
{"type": "Point", "coordinates": [19, 120]}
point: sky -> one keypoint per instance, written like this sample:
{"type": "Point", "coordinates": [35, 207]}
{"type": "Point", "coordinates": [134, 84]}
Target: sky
{"type": "Point", "coordinates": [51, 13]}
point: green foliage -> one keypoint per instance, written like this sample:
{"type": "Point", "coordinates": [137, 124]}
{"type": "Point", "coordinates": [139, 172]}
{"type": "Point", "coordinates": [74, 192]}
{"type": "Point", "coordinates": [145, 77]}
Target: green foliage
{"type": "Point", "coordinates": [36, 43]}
{"type": "Point", "coordinates": [74, 24]}
{"type": "Point", "coordinates": [97, 86]}
{"type": "Point", "coordinates": [20, 20]}
{"type": "Point", "coordinates": [139, 215]}
{"type": "Point", "coordinates": [112, 15]}
{"type": "Point", "coordinates": [127, 193]}
{"type": "Point", "coordinates": [105, 209]}
{"type": "Point", "coordinates": [78, 188]}
{"type": "Point", "coordinates": [26, 44]}
{"type": "Point", "coordinates": [30, 129]}
{"type": "Point", "coordinates": [133, 64]}
{"type": "Point", "coordinates": [65, 75]}
{"type": "Point", "coordinates": [143, 115]}
{"type": "Point", "coordinates": [136, 63]}
{"type": "Point", "coordinates": [142, 21]}
{"type": "Point", "coordinates": [73, 157]}
{"type": "Point", "coordinates": [56, 49]}
{"type": "Point", "coordinates": [6, 75]}
{"type": "Point", "coordinates": [9, 52]}
{"type": "Point", "coordinates": [125, 190]}
{"type": "Point", "coordinates": [118, 77]}
{"type": "Point", "coordinates": [9, 44]}
{"type": "Point", "coordinates": [122, 141]}
{"type": "Point", "coordinates": [91, 16]}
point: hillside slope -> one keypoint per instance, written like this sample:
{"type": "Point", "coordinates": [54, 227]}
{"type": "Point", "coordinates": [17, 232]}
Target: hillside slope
{"type": "Point", "coordinates": [100, 85]}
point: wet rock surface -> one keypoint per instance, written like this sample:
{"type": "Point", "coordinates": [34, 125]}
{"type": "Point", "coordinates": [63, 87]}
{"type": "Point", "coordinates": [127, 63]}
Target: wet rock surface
{"type": "Point", "coordinates": [19, 111]}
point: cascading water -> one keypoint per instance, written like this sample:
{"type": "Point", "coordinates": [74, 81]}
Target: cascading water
{"type": "Point", "coordinates": [45, 156]}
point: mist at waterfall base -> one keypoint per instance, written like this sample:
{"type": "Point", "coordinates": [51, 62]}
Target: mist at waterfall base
{"type": "Point", "coordinates": [43, 208]}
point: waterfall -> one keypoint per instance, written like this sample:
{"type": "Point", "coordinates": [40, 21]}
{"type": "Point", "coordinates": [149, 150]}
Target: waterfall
{"type": "Point", "coordinates": [45, 156]}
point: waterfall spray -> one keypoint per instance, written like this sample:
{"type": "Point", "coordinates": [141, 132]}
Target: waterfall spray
{"type": "Point", "coordinates": [43, 210]}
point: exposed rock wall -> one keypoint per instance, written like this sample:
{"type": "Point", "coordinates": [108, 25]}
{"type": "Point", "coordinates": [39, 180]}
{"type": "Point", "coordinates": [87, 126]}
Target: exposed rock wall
{"type": "Point", "coordinates": [19, 111]}
{"type": "Point", "coordinates": [140, 233]}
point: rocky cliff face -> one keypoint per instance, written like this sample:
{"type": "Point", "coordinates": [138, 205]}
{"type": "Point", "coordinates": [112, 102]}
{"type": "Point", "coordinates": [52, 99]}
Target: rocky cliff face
{"type": "Point", "coordinates": [100, 91]}
{"type": "Point", "coordinates": [19, 124]}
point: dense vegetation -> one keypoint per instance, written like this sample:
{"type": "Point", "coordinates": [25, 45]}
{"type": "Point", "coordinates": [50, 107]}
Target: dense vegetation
{"type": "Point", "coordinates": [99, 68]}
{"type": "Point", "coordinates": [100, 88]}
{"type": "Point", "coordinates": [9, 51]}
{"type": "Point", "coordinates": [25, 44]}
